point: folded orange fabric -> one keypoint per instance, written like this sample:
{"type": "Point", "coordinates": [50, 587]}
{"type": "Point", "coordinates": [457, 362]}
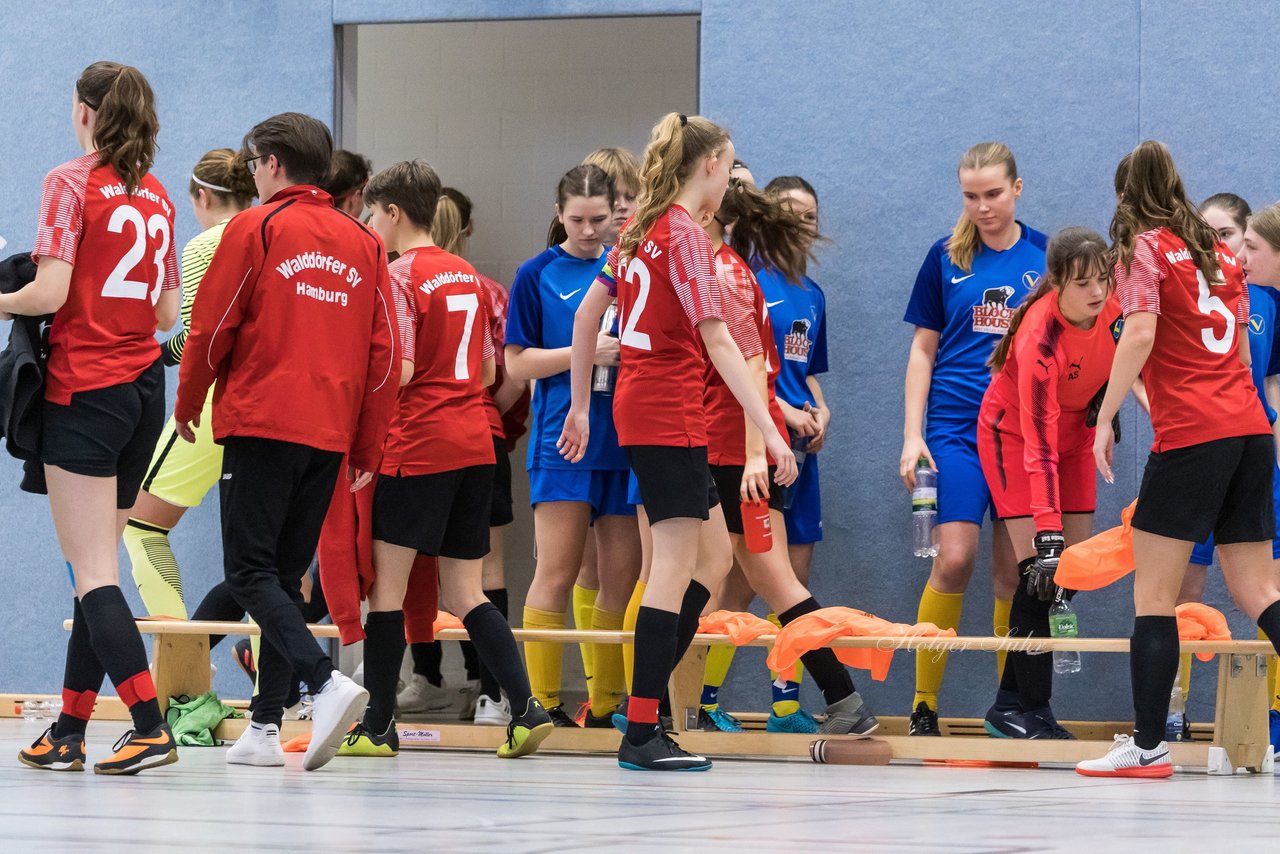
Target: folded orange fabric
{"type": "Point", "coordinates": [1197, 621]}
{"type": "Point", "coordinates": [816, 629]}
{"type": "Point", "coordinates": [445, 620]}
{"type": "Point", "coordinates": [297, 744]}
{"type": "Point", "coordinates": [1101, 559]}
{"type": "Point", "coordinates": [740, 626]}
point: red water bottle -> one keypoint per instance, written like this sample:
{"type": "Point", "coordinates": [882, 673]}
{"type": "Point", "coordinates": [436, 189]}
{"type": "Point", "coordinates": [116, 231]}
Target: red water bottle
{"type": "Point", "coordinates": [756, 526]}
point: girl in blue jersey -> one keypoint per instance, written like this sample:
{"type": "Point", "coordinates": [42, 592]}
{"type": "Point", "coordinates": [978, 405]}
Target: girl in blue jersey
{"type": "Point", "coordinates": [965, 293]}
{"type": "Point", "coordinates": [568, 498]}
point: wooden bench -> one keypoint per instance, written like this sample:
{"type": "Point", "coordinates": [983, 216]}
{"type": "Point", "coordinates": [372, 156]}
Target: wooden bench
{"type": "Point", "coordinates": [1240, 729]}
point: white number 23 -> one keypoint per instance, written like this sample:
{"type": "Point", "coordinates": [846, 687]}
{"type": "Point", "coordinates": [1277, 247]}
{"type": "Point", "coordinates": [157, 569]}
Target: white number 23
{"type": "Point", "coordinates": [118, 284]}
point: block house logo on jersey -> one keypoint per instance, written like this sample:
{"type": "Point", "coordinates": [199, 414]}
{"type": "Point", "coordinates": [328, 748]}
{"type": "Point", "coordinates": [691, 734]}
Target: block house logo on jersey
{"type": "Point", "coordinates": [796, 344]}
{"type": "Point", "coordinates": [994, 312]}
{"type": "Point", "coordinates": [325, 263]}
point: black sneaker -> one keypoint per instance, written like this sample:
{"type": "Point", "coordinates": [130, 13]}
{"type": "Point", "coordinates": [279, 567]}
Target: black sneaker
{"type": "Point", "coordinates": [362, 741]}
{"type": "Point", "coordinates": [924, 721]}
{"type": "Point", "coordinates": [659, 753]}
{"type": "Point", "coordinates": [54, 754]}
{"type": "Point", "coordinates": [137, 751]}
{"type": "Point", "coordinates": [528, 730]}
{"type": "Point", "coordinates": [1041, 724]}
{"type": "Point", "coordinates": [560, 717]}
{"type": "Point", "coordinates": [590, 721]}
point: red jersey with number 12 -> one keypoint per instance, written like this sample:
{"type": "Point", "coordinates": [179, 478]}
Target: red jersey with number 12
{"type": "Point", "coordinates": [120, 247]}
{"type": "Point", "coordinates": [444, 330]}
{"type": "Point", "coordinates": [1199, 389]}
{"type": "Point", "coordinates": [663, 293]}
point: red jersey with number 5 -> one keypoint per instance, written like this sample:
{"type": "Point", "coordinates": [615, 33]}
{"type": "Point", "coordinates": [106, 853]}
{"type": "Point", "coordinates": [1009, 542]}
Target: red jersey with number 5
{"type": "Point", "coordinates": [748, 320]}
{"type": "Point", "coordinates": [441, 424]}
{"type": "Point", "coordinates": [1199, 389]}
{"type": "Point", "coordinates": [121, 250]}
{"type": "Point", "coordinates": [663, 293]}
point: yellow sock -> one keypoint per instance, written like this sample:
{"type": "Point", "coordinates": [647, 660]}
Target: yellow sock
{"type": "Point", "coordinates": [1184, 674]}
{"type": "Point", "coordinates": [629, 625]}
{"type": "Point", "coordinates": [155, 570]}
{"type": "Point", "coordinates": [782, 708]}
{"type": "Point", "coordinates": [584, 603]}
{"type": "Point", "coordinates": [943, 610]}
{"type": "Point", "coordinates": [543, 659]}
{"type": "Point", "coordinates": [714, 673]}
{"type": "Point", "coordinates": [606, 686]}
{"type": "Point", "coordinates": [1000, 625]}
{"type": "Point", "coordinates": [1272, 687]}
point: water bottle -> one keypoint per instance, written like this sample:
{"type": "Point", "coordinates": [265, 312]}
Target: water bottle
{"type": "Point", "coordinates": [1063, 624]}
{"type": "Point", "coordinates": [800, 450]}
{"type": "Point", "coordinates": [924, 510]}
{"type": "Point", "coordinates": [603, 377]}
{"type": "Point", "coordinates": [34, 710]}
{"type": "Point", "coordinates": [1175, 724]}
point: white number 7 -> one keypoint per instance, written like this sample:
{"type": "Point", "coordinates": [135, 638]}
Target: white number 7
{"type": "Point", "coordinates": [468, 303]}
{"type": "Point", "coordinates": [1209, 306]}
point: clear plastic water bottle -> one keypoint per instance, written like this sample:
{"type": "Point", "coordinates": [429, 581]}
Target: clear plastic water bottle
{"type": "Point", "coordinates": [34, 710]}
{"type": "Point", "coordinates": [800, 449]}
{"type": "Point", "coordinates": [605, 377]}
{"type": "Point", "coordinates": [1175, 724]}
{"type": "Point", "coordinates": [924, 510]}
{"type": "Point", "coordinates": [1063, 624]}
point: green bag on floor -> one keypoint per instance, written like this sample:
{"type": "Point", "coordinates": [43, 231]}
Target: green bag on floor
{"type": "Point", "coordinates": [193, 720]}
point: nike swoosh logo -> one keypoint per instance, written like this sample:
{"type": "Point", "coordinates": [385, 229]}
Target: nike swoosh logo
{"type": "Point", "coordinates": [956, 281]}
{"type": "Point", "coordinates": [1151, 760]}
{"type": "Point", "coordinates": [571, 293]}
{"type": "Point", "coordinates": [772, 304]}
{"type": "Point", "coordinates": [1012, 725]}
{"type": "Point", "coordinates": [683, 758]}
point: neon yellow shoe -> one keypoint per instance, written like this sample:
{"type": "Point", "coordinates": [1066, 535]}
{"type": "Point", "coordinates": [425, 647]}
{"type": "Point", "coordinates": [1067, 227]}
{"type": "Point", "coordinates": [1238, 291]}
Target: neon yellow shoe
{"type": "Point", "coordinates": [526, 732]}
{"type": "Point", "coordinates": [361, 741]}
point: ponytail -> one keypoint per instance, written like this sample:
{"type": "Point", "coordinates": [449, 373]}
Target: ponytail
{"type": "Point", "coordinates": [221, 174]}
{"type": "Point", "coordinates": [964, 242]}
{"type": "Point", "coordinates": [446, 228]}
{"type": "Point", "coordinates": [765, 231]}
{"type": "Point", "coordinates": [126, 126]}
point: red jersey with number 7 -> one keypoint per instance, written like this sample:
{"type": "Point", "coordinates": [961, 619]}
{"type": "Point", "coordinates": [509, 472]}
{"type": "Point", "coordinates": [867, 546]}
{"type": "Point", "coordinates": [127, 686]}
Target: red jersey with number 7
{"type": "Point", "coordinates": [663, 293]}
{"type": "Point", "coordinates": [121, 250]}
{"type": "Point", "coordinates": [441, 424]}
{"type": "Point", "coordinates": [1199, 389]}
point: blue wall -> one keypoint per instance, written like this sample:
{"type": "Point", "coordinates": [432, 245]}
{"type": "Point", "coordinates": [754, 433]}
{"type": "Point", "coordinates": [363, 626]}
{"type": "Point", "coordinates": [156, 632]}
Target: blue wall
{"type": "Point", "coordinates": [873, 102]}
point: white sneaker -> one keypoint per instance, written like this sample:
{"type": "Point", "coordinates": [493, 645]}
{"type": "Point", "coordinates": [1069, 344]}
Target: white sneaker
{"type": "Point", "coordinates": [470, 693]}
{"type": "Point", "coordinates": [421, 696]}
{"type": "Point", "coordinates": [338, 705]}
{"type": "Point", "coordinates": [257, 746]}
{"type": "Point", "coordinates": [1126, 759]}
{"type": "Point", "coordinates": [492, 713]}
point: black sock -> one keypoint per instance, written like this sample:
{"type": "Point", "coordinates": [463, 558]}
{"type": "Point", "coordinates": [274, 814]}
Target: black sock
{"type": "Point", "coordinates": [1032, 674]}
{"type": "Point", "coordinates": [119, 647]}
{"type": "Point", "coordinates": [427, 658]}
{"type": "Point", "coordinates": [1153, 667]}
{"type": "Point", "coordinates": [655, 652]}
{"type": "Point", "coordinates": [1269, 622]}
{"type": "Point", "coordinates": [488, 682]}
{"type": "Point", "coordinates": [695, 599]}
{"type": "Point", "coordinates": [383, 651]}
{"type": "Point", "coordinates": [220, 606]}
{"type": "Point", "coordinates": [496, 646]}
{"type": "Point", "coordinates": [81, 680]}
{"type": "Point", "coordinates": [827, 671]}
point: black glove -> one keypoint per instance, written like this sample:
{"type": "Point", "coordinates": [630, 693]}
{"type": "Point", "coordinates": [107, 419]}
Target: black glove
{"type": "Point", "coordinates": [1049, 546]}
{"type": "Point", "coordinates": [1095, 405]}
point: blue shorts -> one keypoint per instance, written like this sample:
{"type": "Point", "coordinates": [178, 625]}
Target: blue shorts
{"type": "Point", "coordinates": [604, 490]}
{"type": "Point", "coordinates": [804, 517]}
{"type": "Point", "coordinates": [1202, 554]}
{"type": "Point", "coordinates": [633, 490]}
{"type": "Point", "coordinates": [963, 495]}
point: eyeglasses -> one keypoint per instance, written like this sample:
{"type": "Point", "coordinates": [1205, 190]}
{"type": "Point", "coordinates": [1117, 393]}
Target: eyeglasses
{"type": "Point", "coordinates": [251, 162]}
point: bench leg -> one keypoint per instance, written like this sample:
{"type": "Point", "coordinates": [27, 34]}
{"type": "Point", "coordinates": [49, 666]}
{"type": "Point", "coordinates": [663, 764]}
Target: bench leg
{"type": "Point", "coordinates": [686, 688]}
{"type": "Point", "coordinates": [181, 665]}
{"type": "Point", "coordinates": [1241, 717]}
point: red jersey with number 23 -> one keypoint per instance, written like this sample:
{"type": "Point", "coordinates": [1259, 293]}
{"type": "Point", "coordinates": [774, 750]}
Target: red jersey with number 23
{"type": "Point", "coordinates": [663, 293]}
{"type": "Point", "coordinates": [443, 313]}
{"type": "Point", "coordinates": [1199, 389]}
{"type": "Point", "coordinates": [121, 250]}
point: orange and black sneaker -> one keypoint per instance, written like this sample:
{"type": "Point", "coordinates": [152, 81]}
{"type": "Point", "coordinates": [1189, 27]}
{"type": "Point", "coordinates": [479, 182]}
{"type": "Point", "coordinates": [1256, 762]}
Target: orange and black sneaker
{"type": "Point", "coordinates": [49, 753]}
{"type": "Point", "coordinates": [137, 751]}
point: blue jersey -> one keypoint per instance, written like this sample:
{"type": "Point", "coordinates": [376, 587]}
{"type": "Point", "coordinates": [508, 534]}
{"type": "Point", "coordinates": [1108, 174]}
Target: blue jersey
{"type": "Point", "coordinates": [1264, 344]}
{"type": "Point", "coordinates": [547, 291]}
{"type": "Point", "coordinates": [970, 311]}
{"type": "Point", "coordinates": [799, 317]}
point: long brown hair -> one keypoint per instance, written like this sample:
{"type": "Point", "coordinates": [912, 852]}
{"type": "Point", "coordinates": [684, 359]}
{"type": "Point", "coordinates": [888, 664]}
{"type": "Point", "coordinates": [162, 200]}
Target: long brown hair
{"type": "Point", "coordinates": [1072, 253]}
{"type": "Point", "coordinates": [676, 146]}
{"type": "Point", "coordinates": [221, 174]}
{"type": "Point", "coordinates": [764, 230]}
{"type": "Point", "coordinates": [1151, 195]}
{"type": "Point", "coordinates": [586, 180]}
{"type": "Point", "coordinates": [964, 242]}
{"type": "Point", "coordinates": [125, 127]}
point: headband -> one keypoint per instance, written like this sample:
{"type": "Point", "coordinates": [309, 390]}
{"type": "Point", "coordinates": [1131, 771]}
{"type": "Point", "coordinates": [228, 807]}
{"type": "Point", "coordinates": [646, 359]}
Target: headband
{"type": "Point", "coordinates": [209, 186]}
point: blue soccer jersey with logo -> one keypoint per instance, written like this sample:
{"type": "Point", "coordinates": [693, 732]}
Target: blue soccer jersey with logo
{"type": "Point", "coordinates": [547, 291]}
{"type": "Point", "coordinates": [799, 317]}
{"type": "Point", "coordinates": [1264, 345]}
{"type": "Point", "coordinates": [970, 311]}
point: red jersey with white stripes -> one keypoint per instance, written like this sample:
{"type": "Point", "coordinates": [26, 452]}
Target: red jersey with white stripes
{"type": "Point", "coordinates": [747, 317]}
{"type": "Point", "coordinates": [444, 321]}
{"type": "Point", "coordinates": [663, 293]}
{"type": "Point", "coordinates": [1199, 389]}
{"type": "Point", "coordinates": [496, 305]}
{"type": "Point", "coordinates": [1042, 393]}
{"type": "Point", "coordinates": [121, 250]}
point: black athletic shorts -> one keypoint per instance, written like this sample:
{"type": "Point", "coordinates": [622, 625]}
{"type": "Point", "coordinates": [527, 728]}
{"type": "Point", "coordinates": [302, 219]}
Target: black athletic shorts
{"type": "Point", "coordinates": [728, 480]}
{"type": "Point", "coordinates": [500, 506]}
{"type": "Point", "coordinates": [1221, 488]}
{"type": "Point", "coordinates": [675, 482]}
{"type": "Point", "coordinates": [444, 514]}
{"type": "Point", "coordinates": [108, 432]}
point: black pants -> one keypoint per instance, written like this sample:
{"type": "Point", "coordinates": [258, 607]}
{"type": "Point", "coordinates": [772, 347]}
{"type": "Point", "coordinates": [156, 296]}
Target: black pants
{"type": "Point", "coordinates": [274, 498]}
